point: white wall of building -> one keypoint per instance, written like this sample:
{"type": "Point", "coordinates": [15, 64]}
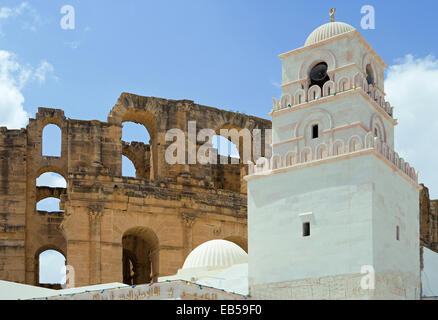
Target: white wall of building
{"type": "Point", "coordinates": [344, 199]}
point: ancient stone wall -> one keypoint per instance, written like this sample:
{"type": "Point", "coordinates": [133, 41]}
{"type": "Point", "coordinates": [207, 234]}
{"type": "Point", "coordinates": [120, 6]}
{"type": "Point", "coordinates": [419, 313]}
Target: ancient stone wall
{"type": "Point", "coordinates": [164, 213]}
{"type": "Point", "coordinates": [12, 204]}
{"type": "Point", "coordinates": [428, 220]}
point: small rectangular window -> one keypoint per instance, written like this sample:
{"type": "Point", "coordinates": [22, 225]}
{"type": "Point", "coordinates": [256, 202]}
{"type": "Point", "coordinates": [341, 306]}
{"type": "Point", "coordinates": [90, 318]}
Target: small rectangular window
{"type": "Point", "coordinates": [306, 229]}
{"type": "Point", "coordinates": [315, 131]}
{"type": "Point", "coordinates": [397, 233]}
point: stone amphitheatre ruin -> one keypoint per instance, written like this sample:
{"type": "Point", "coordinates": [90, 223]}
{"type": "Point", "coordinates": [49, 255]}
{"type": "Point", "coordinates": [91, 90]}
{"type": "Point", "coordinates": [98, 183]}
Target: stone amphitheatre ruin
{"type": "Point", "coordinates": [120, 229]}
{"type": "Point", "coordinates": [114, 228]}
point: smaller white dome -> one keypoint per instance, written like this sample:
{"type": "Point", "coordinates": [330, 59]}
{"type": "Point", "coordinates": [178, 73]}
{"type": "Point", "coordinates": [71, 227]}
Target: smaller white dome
{"type": "Point", "coordinates": [215, 253]}
{"type": "Point", "coordinates": [328, 30]}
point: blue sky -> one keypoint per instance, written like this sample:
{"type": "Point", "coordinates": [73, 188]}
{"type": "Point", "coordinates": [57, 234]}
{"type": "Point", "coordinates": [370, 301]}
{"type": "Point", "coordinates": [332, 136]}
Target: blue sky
{"type": "Point", "coordinates": [218, 53]}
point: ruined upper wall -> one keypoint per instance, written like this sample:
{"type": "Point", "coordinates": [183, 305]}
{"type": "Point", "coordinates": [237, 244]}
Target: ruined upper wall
{"type": "Point", "coordinates": [88, 145]}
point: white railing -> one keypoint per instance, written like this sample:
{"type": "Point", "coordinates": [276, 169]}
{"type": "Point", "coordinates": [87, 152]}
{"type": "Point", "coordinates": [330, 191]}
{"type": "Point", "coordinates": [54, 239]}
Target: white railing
{"type": "Point", "coordinates": [331, 88]}
{"type": "Point", "coordinates": [322, 151]}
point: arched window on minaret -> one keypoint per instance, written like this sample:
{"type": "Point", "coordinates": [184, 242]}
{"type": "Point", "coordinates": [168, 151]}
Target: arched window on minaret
{"type": "Point", "coordinates": [318, 75]}
{"type": "Point", "coordinates": [370, 74]}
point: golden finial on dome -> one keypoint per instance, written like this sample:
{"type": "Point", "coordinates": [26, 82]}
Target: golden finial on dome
{"type": "Point", "coordinates": [332, 14]}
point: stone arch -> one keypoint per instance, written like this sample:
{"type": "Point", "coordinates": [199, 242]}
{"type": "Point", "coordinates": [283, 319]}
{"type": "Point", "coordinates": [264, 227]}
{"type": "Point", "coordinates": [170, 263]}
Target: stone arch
{"type": "Point", "coordinates": [140, 256]}
{"type": "Point", "coordinates": [239, 240]}
{"type": "Point", "coordinates": [290, 158]}
{"type": "Point", "coordinates": [47, 169]}
{"type": "Point", "coordinates": [358, 80]}
{"type": "Point", "coordinates": [245, 138]}
{"type": "Point", "coordinates": [306, 155]}
{"type": "Point", "coordinates": [131, 156]}
{"type": "Point", "coordinates": [344, 84]}
{"type": "Point", "coordinates": [141, 110]}
{"type": "Point", "coordinates": [314, 93]}
{"type": "Point", "coordinates": [313, 59]}
{"type": "Point", "coordinates": [48, 192]}
{"type": "Point", "coordinates": [321, 151]}
{"type": "Point", "coordinates": [338, 147]}
{"type": "Point", "coordinates": [381, 101]}
{"type": "Point", "coordinates": [369, 140]}
{"type": "Point", "coordinates": [135, 152]}
{"type": "Point", "coordinates": [61, 248]}
{"type": "Point", "coordinates": [355, 143]}
{"type": "Point", "coordinates": [149, 121]}
{"type": "Point", "coordinates": [329, 88]}
{"type": "Point", "coordinates": [300, 96]}
{"type": "Point", "coordinates": [377, 123]}
{"type": "Point", "coordinates": [276, 162]}
{"type": "Point", "coordinates": [286, 101]}
{"type": "Point", "coordinates": [45, 117]}
{"type": "Point", "coordinates": [45, 138]}
{"type": "Point", "coordinates": [57, 121]}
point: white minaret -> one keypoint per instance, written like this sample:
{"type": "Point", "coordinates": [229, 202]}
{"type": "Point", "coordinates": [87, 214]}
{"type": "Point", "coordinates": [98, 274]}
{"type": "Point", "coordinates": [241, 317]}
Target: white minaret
{"type": "Point", "coordinates": [335, 207]}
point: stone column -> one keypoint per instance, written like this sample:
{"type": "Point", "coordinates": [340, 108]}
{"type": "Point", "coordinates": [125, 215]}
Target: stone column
{"type": "Point", "coordinates": [95, 213]}
{"type": "Point", "coordinates": [188, 221]}
{"type": "Point", "coordinates": [154, 264]}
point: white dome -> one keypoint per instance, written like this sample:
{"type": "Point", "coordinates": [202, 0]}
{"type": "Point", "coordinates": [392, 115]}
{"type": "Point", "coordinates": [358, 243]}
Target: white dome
{"type": "Point", "coordinates": [327, 31]}
{"type": "Point", "coordinates": [215, 253]}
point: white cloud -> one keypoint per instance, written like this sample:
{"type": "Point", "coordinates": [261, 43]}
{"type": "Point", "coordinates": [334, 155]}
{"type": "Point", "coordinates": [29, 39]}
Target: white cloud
{"type": "Point", "coordinates": [31, 19]}
{"type": "Point", "coordinates": [412, 88]}
{"type": "Point", "coordinates": [43, 69]}
{"type": "Point", "coordinates": [13, 77]}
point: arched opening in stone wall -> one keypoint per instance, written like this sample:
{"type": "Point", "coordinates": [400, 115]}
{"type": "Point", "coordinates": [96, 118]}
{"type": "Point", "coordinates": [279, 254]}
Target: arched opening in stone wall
{"type": "Point", "coordinates": [51, 141]}
{"type": "Point", "coordinates": [225, 147]}
{"type": "Point", "coordinates": [52, 180]}
{"type": "Point", "coordinates": [139, 138]}
{"type": "Point", "coordinates": [49, 204]}
{"type": "Point", "coordinates": [128, 168]}
{"type": "Point", "coordinates": [227, 172]}
{"type": "Point", "coordinates": [140, 256]}
{"type": "Point", "coordinates": [240, 241]}
{"type": "Point", "coordinates": [136, 154]}
{"type": "Point", "coordinates": [50, 270]}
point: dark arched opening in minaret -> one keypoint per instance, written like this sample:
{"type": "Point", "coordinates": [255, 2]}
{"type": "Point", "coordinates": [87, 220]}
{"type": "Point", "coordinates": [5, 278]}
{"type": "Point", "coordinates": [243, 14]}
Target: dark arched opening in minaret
{"type": "Point", "coordinates": [318, 75]}
{"type": "Point", "coordinates": [370, 75]}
